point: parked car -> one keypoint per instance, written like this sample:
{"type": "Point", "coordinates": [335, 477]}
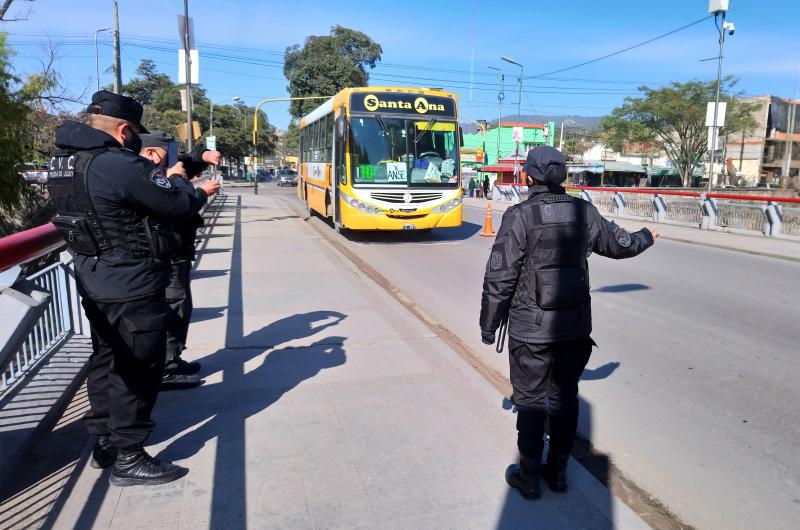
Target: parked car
{"type": "Point", "coordinates": [287, 177]}
{"type": "Point", "coordinates": [727, 187]}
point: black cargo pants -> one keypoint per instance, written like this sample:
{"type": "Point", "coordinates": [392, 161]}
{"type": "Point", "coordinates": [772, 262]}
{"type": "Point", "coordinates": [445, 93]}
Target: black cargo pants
{"type": "Point", "coordinates": [179, 300]}
{"type": "Point", "coordinates": [126, 366]}
{"type": "Point", "coordinates": [545, 380]}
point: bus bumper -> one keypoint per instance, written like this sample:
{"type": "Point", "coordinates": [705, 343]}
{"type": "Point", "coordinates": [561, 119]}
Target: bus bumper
{"type": "Point", "coordinates": [357, 220]}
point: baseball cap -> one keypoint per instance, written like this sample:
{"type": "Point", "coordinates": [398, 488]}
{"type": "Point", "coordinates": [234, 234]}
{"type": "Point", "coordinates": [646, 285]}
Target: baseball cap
{"type": "Point", "coordinates": [546, 164]}
{"type": "Point", "coordinates": [160, 139]}
{"type": "Point", "coordinates": [117, 106]}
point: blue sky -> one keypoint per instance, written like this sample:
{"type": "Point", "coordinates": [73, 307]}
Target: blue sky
{"type": "Point", "coordinates": [430, 43]}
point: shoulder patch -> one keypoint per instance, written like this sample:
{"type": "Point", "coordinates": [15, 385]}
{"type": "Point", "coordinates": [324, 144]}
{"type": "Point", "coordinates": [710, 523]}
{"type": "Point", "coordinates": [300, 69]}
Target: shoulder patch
{"type": "Point", "coordinates": [159, 178]}
{"type": "Point", "coordinates": [622, 236]}
{"type": "Point", "coordinates": [497, 260]}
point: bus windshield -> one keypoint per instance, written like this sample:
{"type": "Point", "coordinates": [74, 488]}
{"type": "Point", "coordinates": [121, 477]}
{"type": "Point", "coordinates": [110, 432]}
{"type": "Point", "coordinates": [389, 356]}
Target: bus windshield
{"type": "Point", "coordinates": [403, 152]}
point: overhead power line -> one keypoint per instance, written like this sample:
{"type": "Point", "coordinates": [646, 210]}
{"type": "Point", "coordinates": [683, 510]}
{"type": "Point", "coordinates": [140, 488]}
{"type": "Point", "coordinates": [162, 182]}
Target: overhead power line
{"type": "Point", "coordinates": [629, 48]}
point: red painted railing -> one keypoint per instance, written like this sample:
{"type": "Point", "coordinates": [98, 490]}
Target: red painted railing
{"type": "Point", "coordinates": [729, 196]}
{"type": "Point", "coordinates": [28, 245]}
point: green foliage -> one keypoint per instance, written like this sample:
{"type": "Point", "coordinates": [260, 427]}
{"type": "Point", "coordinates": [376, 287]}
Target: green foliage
{"type": "Point", "coordinates": [162, 112]}
{"type": "Point", "coordinates": [148, 83]}
{"type": "Point", "coordinates": [291, 140]}
{"type": "Point", "coordinates": [673, 119]}
{"type": "Point", "coordinates": [326, 64]}
{"type": "Point", "coordinates": [14, 127]}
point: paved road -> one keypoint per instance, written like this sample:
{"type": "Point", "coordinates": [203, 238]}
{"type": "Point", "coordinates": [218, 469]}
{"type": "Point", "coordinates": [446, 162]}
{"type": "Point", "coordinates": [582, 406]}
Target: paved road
{"type": "Point", "coordinates": [694, 388]}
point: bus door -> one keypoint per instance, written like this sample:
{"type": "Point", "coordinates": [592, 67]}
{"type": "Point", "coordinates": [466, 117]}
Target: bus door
{"type": "Point", "coordinates": [339, 173]}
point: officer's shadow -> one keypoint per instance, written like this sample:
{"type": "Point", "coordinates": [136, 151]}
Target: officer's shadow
{"type": "Point", "coordinates": [220, 410]}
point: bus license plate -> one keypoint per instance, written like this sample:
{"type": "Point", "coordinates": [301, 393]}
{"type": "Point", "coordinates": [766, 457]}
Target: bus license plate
{"type": "Point", "coordinates": [409, 227]}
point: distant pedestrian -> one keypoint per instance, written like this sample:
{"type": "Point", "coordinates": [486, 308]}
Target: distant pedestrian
{"type": "Point", "coordinates": [472, 187]}
{"type": "Point", "coordinates": [486, 187]}
{"type": "Point", "coordinates": [537, 281]}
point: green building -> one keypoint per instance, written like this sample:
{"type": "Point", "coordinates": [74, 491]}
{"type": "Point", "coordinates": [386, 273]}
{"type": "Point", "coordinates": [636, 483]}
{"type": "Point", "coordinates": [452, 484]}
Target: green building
{"type": "Point", "coordinates": [533, 134]}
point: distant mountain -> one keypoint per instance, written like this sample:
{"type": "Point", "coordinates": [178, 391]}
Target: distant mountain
{"type": "Point", "coordinates": [587, 123]}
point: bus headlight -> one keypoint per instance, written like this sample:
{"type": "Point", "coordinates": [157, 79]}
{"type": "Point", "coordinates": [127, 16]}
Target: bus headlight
{"type": "Point", "coordinates": [449, 205]}
{"type": "Point", "coordinates": [360, 206]}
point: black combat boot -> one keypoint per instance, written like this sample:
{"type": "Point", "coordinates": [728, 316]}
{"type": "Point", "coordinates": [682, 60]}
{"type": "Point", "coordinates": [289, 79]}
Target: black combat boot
{"type": "Point", "coordinates": [136, 467]}
{"type": "Point", "coordinates": [525, 477]}
{"type": "Point", "coordinates": [555, 472]}
{"type": "Point", "coordinates": [180, 367]}
{"type": "Point", "coordinates": [103, 454]}
{"type": "Point", "coordinates": [173, 381]}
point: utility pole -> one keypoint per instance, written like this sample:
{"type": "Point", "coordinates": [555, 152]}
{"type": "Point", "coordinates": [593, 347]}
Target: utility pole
{"type": "Point", "coordinates": [117, 68]}
{"type": "Point", "coordinates": [519, 109]}
{"type": "Point", "coordinates": [188, 61]}
{"type": "Point", "coordinates": [500, 97]}
{"type": "Point", "coordinates": [787, 155]}
{"type": "Point", "coordinates": [211, 118]}
{"type": "Point", "coordinates": [717, 7]}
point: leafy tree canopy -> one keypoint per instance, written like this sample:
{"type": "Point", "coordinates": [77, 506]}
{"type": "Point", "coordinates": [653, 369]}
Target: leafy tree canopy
{"type": "Point", "coordinates": [672, 118]}
{"type": "Point", "coordinates": [326, 64]}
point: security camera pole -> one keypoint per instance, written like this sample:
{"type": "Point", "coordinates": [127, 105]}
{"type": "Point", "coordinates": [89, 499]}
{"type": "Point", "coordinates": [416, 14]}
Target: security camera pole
{"type": "Point", "coordinates": [717, 7]}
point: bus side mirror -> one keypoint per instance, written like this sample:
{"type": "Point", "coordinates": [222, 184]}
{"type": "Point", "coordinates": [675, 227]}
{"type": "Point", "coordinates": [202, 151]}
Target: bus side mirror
{"type": "Point", "coordinates": [460, 136]}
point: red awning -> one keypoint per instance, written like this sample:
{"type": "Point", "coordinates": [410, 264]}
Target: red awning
{"type": "Point", "coordinates": [498, 169]}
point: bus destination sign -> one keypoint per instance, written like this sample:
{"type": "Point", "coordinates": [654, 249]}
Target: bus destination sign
{"type": "Point", "coordinates": [399, 103]}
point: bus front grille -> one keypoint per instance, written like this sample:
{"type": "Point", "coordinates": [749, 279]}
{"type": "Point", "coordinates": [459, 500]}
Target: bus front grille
{"type": "Point", "coordinates": [398, 196]}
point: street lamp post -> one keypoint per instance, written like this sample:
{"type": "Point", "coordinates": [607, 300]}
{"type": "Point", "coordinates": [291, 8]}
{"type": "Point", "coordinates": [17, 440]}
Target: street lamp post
{"type": "Point", "coordinates": [500, 97]}
{"type": "Point", "coordinates": [519, 109]}
{"type": "Point", "coordinates": [717, 7]}
{"type": "Point", "coordinates": [255, 120]}
{"type": "Point", "coordinates": [97, 56]}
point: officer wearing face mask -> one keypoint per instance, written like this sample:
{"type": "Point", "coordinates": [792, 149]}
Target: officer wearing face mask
{"type": "Point", "coordinates": [112, 207]}
{"type": "Point", "coordinates": [537, 280]}
{"type": "Point", "coordinates": [179, 373]}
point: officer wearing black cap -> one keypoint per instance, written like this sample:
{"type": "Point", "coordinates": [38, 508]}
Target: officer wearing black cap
{"type": "Point", "coordinates": [178, 373]}
{"type": "Point", "coordinates": [112, 207]}
{"type": "Point", "coordinates": [537, 280]}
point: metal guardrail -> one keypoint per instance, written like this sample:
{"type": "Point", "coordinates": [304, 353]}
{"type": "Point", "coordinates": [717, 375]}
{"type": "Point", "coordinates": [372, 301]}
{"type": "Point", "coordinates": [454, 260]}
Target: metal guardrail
{"type": "Point", "coordinates": [55, 325]}
{"type": "Point", "coordinates": [706, 210]}
{"type": "Point", "coordinates": [62, 315]}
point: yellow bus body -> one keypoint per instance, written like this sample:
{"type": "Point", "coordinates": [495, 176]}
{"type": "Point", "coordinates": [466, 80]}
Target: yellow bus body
{"type": "Point", "coordinates": [357, 208]}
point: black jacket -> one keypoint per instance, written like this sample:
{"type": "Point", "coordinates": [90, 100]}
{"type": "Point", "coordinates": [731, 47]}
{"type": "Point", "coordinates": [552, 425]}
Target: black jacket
{"type": "Point", "coordinates": [121, 182]}
{"type": "Point", "coordinates": [537, 274]}
{"type": "Point", "coordinates": [186, 233]}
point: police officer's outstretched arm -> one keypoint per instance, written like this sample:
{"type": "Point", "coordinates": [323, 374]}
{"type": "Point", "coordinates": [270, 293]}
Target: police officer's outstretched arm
{"type": "Point", "coordinates": [612, 241]}
{"type": "Point", "coordinates": [502, 272]}
{"type": "Point", "coordinates": [147, 187]}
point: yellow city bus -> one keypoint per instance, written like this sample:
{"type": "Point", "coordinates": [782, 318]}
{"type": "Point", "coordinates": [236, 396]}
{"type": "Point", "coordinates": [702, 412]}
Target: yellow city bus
{"type": "Point", "coordinates": [383, 158]}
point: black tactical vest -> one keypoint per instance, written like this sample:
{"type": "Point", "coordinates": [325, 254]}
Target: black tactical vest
{"type": "Point", "coordinates": [77, 220]}
{"type": "Point", "coordinates": [552, 300]}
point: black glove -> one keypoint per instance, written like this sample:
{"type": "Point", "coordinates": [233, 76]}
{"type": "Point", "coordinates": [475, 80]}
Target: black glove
{"type": "Point", "coordinates": [487, 337]}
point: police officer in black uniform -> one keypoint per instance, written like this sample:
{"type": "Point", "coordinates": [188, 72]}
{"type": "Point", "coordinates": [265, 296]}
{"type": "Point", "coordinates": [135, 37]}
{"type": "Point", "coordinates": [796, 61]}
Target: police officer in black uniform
{"type": "Point", "coordinates": [112, 207]}
{"type": "Point", "coordinates": [179, 373]}
{"type": "Point", "coordinates": [537, 280]}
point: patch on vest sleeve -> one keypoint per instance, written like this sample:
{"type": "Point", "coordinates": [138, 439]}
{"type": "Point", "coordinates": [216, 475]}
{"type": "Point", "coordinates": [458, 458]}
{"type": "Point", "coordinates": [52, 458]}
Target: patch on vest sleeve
{"type": "Point", "coordinates": [622, 236]}
{"type": "Point", "coordinates": [497, 260]}
{"type": "Point", "coordinates": [159, 178]}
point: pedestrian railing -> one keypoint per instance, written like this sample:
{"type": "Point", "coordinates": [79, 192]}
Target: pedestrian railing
{"type": "Point", "coordinates": [772, 216]}
{"type": "Point", "coordinates": [55, 325]}
{"type": "Point", "coordinates": [61, 315]}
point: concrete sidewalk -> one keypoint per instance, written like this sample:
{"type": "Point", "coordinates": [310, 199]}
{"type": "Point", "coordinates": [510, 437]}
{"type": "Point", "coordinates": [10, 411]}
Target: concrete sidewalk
{"type": "Point", "coordinates": [752, 244]}
{"type": "Point", "coordinates": [326, 405]}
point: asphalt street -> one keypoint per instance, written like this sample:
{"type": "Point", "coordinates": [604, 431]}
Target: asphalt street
{"type": "Point", "coordinates": [693, 389]}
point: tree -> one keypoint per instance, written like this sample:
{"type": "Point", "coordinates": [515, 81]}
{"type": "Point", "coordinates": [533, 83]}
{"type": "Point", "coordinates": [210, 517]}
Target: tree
{"type": "Point", "coordinates": [291, 139]}
{"type": "Point", "coordinates": [149, 81]}
{"type": "Point", "coordinates": [14, 127]}
{"type": "Point", "coordinates": [326, 64]}
{"type": "Point", "coordinates": [672, 118]}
